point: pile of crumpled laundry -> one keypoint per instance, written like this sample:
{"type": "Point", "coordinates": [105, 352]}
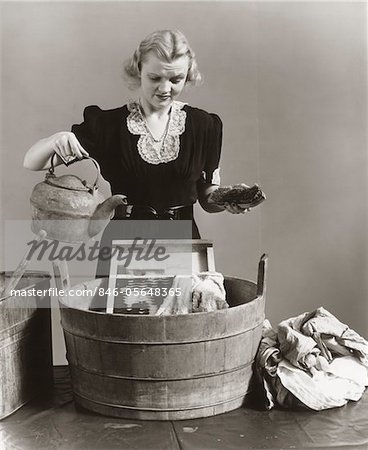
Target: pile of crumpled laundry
{"type": "Point", "coordinates": [312, 360]}
{"type": "Point", "coordinates": [201, 292]}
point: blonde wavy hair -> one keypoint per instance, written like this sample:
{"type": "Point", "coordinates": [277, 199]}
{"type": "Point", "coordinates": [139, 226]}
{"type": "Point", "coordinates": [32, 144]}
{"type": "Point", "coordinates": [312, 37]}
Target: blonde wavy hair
{"type": "Point", "coordinates": [167, 45]}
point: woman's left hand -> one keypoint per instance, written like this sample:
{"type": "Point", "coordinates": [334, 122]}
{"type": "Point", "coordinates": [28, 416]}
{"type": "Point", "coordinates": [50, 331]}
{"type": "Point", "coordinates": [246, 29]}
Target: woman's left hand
{"type": "Point", "coordinates": [234, 208]}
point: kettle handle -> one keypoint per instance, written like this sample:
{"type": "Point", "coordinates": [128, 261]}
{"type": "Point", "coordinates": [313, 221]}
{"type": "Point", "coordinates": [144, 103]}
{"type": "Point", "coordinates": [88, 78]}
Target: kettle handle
{"type": "Point", "coordinates": [95, 184]}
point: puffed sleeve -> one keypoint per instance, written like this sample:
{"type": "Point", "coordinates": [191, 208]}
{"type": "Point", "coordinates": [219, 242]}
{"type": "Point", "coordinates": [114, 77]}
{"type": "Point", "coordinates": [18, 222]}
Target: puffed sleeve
{"type": "Point", "coordinates": [211, 169]}
{"type": "Point", "coordinates": [88, 132]}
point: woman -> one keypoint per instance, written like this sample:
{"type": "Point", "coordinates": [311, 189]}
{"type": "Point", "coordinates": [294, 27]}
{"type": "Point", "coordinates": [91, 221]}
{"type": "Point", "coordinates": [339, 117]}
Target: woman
{"type": "Point", "coordinates": [161, 153]}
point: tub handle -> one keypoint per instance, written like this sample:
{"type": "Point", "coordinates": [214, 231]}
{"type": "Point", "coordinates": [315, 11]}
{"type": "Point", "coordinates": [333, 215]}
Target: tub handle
{"type": "Point", "coordinates": [262, 275]}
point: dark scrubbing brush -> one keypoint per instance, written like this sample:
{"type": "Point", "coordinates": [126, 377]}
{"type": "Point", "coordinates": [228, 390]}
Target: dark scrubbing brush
{"type": "Point", "coordinates": [242, 195]}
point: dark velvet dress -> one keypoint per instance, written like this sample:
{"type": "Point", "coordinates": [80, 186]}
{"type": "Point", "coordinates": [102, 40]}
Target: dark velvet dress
{"type": "Point", "coordinates": [119, 141]}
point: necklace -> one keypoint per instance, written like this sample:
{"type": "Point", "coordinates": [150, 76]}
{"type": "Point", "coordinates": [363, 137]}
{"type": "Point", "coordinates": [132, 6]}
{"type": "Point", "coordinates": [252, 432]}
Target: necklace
{"type": "Point", "coordinates": [163, 135]}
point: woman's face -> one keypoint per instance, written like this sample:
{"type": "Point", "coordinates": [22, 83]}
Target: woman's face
{"type": "Point", "coordinates": [161, 81]}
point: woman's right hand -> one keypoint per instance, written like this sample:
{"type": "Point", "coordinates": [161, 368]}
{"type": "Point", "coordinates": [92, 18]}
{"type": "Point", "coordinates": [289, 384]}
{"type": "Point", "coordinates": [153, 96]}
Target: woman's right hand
{"type": "Point", "coordinates": [64, 143]}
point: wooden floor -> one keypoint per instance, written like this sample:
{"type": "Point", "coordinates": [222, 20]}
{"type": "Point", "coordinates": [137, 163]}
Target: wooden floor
{"type": "Point", "coordinates": [54, 422]}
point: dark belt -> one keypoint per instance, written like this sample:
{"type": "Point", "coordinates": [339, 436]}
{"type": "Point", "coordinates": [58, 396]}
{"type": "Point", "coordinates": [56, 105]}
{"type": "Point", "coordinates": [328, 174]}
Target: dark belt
{"type": "Point", "coordinates": [145, 212]}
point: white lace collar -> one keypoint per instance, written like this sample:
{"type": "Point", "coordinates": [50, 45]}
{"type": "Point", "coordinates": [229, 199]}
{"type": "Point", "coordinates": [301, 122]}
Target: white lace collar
{"type": "Point", "coordinates": [151, 150]}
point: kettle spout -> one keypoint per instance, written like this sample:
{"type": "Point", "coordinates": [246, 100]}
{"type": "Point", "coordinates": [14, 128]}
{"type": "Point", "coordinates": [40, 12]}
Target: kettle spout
{"type": "Point", "coordinates": [104, 213]}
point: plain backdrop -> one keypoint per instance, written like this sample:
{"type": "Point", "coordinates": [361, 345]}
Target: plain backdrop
{"type": "Point", "coordinates": [289, 81]}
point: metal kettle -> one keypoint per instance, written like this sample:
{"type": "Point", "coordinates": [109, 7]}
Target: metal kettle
{"type": "Point", "coordinates": [69, 209]}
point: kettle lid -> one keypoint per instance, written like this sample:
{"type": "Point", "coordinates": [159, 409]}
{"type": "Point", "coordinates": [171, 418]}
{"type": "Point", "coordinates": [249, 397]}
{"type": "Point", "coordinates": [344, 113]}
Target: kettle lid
{"type": "Point", "coordinates": [71, 182]}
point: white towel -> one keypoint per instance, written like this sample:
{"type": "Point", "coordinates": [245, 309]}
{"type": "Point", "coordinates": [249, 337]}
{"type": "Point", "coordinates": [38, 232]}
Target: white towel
{"type": "Point", "coordinates": [208, 292]}
{"type": "Point", "coordinates": [202, 292]}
